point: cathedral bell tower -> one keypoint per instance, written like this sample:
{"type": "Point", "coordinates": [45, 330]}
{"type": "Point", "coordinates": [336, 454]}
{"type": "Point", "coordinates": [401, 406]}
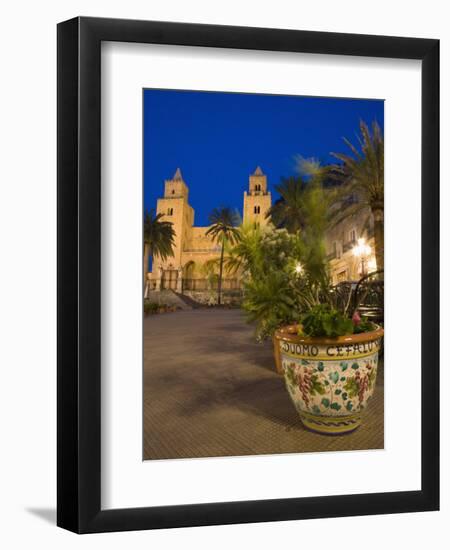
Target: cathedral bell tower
{"type": "Point", "coordinates": [257, 201]}
{"type": "Point", "coordinates": [175, 208]}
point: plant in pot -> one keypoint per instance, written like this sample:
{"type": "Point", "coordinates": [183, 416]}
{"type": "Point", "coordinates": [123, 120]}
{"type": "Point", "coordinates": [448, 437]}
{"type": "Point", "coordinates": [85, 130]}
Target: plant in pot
{"type": "Point", "coordinates": [327, 353]}
{"type": "Point", "coordinates": [265, 257]}
{"type": "Point", "coordinates": [330, 367]}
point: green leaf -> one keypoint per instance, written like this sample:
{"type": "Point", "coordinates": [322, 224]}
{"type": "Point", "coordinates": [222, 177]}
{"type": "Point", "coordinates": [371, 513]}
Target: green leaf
{"type": "Point", "coordinates": [337, 392]}
{"type": "Point", "coordinates": [355, 366]}
{"type": "Point", "coordinates": [316, 386]}
{"type": "Point", "coordinates": [335, 406]}
{"type": "Point", "coordinates": [352, 387]}
{"type": "Point", "coordinates": [334, 376]}
{"type": "Point", "coordinates": [344, 366]}
{"type": "Point", "coordinates": [325, 402]}
{"type": "Point", "coordinates": [323, 320]}
{"type": "Point", "coordinates": [316, 409]}
{"type": "Point", "coordinates": [320, 366]}
{"type": "Point", "coordinates": [344, 396]}
{"type": "Point", "coordinates": [343, 378]}
{"type": "Point", "coordinates": [349, 406]}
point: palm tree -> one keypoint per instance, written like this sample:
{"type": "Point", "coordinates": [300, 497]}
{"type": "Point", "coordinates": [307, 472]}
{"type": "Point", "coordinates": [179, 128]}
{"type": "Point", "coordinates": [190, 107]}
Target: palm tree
{"type": "Point", "coordinates": [158, 238]}
{"type": "Point", "coordinates": [362, 177]}
{"type": "Point", "coordinates": [223, 230]}
{"type": "Point", "coordinates": [246, 256]}
{"type": "Point", "coordinates": [289, 210]}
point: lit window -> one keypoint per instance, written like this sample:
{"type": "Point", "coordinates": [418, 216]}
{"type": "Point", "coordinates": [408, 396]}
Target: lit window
{"type": "Point", "coordinates": [353, 235]}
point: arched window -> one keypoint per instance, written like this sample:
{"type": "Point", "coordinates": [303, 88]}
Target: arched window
{"type": "Point", "coordinates": [258, 187]}
{"type": "Point", "coordinates": [170, 212]}
{"type": "Point", "coordinates": [173, 191]}
{"type": "Point", "coordinates": [257, 209]}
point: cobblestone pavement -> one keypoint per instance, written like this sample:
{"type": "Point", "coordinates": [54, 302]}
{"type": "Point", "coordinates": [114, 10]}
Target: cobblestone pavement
{"type": "Point", "coordinates": [211, 390]}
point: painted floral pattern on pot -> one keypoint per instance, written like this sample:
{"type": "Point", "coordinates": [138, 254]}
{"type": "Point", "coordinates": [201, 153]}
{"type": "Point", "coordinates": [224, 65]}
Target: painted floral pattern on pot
{"type": "Point", "coordinates": [330, 384]}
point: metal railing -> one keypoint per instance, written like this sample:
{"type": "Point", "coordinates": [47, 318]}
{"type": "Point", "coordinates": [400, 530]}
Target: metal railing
{"type": "Point", "coordinates": [368, 296]}
{"type": "Point", "coordinates": [207, 284]}
{"type": "Point", "coordinates": [365, 295]}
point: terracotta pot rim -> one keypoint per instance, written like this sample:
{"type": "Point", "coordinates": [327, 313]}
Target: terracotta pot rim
{"type": "Point", "coordinates": [289, 334]}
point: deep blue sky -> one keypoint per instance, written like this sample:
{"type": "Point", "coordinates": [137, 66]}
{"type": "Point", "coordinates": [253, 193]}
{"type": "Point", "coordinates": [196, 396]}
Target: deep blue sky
{"type": "Point", "coordinates": [218, 139]}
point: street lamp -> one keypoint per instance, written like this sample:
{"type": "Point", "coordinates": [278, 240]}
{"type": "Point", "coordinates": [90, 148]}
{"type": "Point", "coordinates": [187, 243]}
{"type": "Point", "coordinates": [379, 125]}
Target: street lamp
{"type": "Point", "coordinates": [362, 250]}
{"type": "Point", "coordinates": [298, 268]}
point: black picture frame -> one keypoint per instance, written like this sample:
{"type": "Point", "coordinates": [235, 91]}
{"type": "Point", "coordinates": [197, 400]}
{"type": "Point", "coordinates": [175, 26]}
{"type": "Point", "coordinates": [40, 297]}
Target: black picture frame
{"type": "Point", "coordinates": [79, 281]}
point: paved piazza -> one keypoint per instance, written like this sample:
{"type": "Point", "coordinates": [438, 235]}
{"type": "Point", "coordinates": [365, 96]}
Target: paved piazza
{"type": "Point", "coordinates": [211, 390]}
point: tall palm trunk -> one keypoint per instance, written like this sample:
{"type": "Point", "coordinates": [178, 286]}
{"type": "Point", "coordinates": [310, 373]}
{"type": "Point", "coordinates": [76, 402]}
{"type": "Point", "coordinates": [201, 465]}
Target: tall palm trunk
{"type": "Point", "coordinates": [219, 286]}
{"type": "Point", "coordinates": [146, 260]}
{"type": "Point", "coordinates": [378, 229]}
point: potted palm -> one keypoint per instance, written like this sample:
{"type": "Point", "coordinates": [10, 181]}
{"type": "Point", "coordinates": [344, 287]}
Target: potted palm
{"type": "Point", "coordinates": [330, 366]}
{"type": "Point", "coordinates": [326, 352]}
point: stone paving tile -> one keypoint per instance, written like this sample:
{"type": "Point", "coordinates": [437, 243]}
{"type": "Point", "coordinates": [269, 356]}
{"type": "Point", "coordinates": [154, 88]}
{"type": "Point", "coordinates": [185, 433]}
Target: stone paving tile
{"type": "Point", "coordinates": [211, 390]}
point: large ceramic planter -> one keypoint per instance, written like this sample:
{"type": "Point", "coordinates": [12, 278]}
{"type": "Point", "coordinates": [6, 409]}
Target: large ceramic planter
{"type": "Point", "coordinates": [330, 380]}
{"type": "Point", "coordinates": [277, 353]}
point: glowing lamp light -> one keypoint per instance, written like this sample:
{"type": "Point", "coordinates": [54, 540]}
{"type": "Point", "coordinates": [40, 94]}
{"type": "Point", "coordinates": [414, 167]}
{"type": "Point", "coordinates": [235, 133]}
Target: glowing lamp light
{"type": "Point", "coordinates": [298, 269]}
{"type": "Point", "coordinates": [361, 249]}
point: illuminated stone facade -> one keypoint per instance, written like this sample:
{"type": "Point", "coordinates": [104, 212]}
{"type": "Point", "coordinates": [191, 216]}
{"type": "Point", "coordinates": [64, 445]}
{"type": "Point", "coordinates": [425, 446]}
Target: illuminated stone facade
{"type": "Point", "coordinates": [186, 271]}
{"type": "Point", "coordinates": [193, 249]}
{"type": "Point", "coordinates": [341, 241]}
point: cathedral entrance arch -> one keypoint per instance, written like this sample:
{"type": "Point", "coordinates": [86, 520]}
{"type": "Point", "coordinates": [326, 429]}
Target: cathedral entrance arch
{"type": "Point", "coordinates": [169, 279]}
{"type": "Point", "coordinates": [188, 275]}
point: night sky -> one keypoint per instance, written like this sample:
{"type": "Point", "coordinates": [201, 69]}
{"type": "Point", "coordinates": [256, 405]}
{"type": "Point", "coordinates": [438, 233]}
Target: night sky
{"type": "Point", "coordinates": [218, 139]}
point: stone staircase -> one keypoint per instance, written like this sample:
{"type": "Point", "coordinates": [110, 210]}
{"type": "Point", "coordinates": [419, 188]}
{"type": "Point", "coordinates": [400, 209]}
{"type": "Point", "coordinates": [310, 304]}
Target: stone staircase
{"type": "Point", "coordinates": [189, 301]}
{"type": "Point", "coordinates": [171, 298]}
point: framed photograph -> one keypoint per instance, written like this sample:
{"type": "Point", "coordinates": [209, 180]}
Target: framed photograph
{"type": "Point", "coordinates": [248, 317]}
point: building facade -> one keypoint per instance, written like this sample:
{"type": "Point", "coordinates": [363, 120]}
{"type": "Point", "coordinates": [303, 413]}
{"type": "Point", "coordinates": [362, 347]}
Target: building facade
{"type": "Point", "coordinates": [193, 250]}
{"type": "Point", "coordinates": [342, 241]}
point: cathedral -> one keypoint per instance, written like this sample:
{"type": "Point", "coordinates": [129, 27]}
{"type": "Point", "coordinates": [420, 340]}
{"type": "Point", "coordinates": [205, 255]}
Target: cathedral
{"type": "Point", "coordinates": [185, 270]}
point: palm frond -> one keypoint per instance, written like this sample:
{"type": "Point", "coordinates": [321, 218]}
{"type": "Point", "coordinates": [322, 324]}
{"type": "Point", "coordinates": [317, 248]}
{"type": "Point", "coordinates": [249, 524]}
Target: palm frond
{"type": "Point", "coordinates": [289, 210]}
{"type": "Point", "coordinates": [159, 235]}
{"type": "Point", "coordinates": [224, 223]}
{"type": "Point", "coordinates": [363, 171]}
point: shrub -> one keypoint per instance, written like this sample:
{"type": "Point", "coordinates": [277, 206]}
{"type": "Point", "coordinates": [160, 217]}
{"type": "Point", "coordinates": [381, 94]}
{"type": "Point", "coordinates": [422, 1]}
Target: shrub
{"type": "Point", "coordinates": [286, 274]}
{"type": "Point", "coordinates": [150, 307]}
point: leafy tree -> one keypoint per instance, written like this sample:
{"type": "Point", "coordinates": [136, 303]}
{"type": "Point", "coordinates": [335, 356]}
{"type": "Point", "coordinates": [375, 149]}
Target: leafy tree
{"type": "Point", "coordinates": [223, 230]}
{"type": "Point", "coordinates": [158, 238]}
{"type": "Point", "coordinates": [286, 271]}
{"type": "Point", "coordinates": [292, 210]}
{"type": "Point", "coordinates": [269, 302]}
{"type": "Point", "coordinates": [289, 210]}
{"type": "Point", "coordinates": [362, 176]}
{"type": "Point", "coordinates": [246, 255]}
